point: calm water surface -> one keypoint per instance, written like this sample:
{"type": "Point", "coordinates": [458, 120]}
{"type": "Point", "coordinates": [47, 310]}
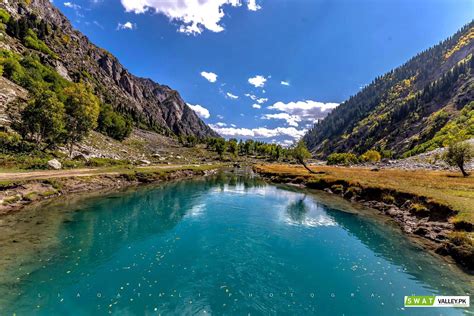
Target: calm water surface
{"type": "Point", "coordinates": [219, 246]}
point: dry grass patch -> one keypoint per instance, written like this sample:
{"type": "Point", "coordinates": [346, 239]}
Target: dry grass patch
{"type": "Point", "coordinates": [445, 188]}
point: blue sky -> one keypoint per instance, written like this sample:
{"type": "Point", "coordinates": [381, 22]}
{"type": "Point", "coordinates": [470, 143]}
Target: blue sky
{"type": "Point", "coordinates": [265, 69]}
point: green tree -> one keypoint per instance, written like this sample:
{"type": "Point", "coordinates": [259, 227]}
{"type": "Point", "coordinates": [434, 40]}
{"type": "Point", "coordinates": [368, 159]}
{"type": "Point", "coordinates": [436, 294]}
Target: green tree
{"type": "Point", "coordinates": [233, 147]}
{"type": "Point", "coordinates": [82, 110]}
{"type": "Point", "coordinates": [220, 147]}
{"type": "Point", "coordinates": [113, 124]}
{"type": "Point", "coordinates": [43, 119]}
{"type": "Point", "coordinates": [457, 154]}
{"type": "Point", "coordinates": [300, 152]}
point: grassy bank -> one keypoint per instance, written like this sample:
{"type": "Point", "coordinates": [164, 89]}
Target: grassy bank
{"type": "Point", "coordinates": [432, 196]}
{"type": "Point", "coordinates": [446, 188]}
{"type": "Point", "coordinates": [22, 188]}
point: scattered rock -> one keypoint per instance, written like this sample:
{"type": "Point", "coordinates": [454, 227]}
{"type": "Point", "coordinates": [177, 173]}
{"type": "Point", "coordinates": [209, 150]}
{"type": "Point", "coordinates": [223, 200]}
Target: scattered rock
{"type": "Point", "coordinates": [80, 156]}
{"type": "Point", "coordinates": [144, 162]}
{"type": "Point", "coordinates": [54, 164]}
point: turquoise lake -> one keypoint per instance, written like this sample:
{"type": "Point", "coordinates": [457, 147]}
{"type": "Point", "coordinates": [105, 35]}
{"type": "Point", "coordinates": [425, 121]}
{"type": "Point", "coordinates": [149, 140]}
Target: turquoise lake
{"type": "Point", "coordinates": [220, 246]}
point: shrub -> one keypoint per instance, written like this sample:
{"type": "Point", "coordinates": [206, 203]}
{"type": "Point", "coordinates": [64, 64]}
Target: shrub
{"type": "Point", "coordinates": [31, 40]}
{"type": "Point", "coordinates": [4, 16]}
{"type": "Point", "coordinates": [371, 156]}
{"type": "Point", "coordinates": [106, 162]}
{"type": "Point", "coordinates": [342, 159]}
{"type": "Point", "coordinates": [113, 124]}
{"type": "Point", "coordinates": [418, 208]}
{"type": "Point", "coordinates": [460, 238]}
{"type": "Point", "coordinates": [389, 199]}
{"type": "Point", "coordinates": [9, 142]}
{"type": "Point", "coordinates": [37, 160]}
{"type": "Point", "coordinates": [337, 188]}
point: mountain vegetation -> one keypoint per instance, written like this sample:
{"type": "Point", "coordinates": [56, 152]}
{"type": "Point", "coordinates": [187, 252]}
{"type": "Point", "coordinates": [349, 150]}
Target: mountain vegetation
{"type": "Point", "coordinates": [41, 52]}
{"type": "Point", "coordinates": [420, 106]}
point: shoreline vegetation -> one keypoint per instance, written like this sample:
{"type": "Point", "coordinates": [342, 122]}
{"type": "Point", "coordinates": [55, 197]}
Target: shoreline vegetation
{"type": "Point", "coordinates": [18, 190]}
{"type": "Point", "coordinates": [437, 206]}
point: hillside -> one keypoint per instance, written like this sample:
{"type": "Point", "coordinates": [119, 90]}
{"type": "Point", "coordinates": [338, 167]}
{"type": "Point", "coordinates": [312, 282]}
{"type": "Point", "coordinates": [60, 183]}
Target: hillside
{"type": "Point", "coordinates": [37, 26]}
{"type": "Point", "coordinates": [417, 107]}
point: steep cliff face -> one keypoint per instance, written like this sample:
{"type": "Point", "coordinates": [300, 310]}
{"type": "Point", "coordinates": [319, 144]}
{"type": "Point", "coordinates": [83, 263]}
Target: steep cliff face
{"type": "Point", "coordinates": [150, 104]}
{"type": "Point", "coordinates": [412, 109]}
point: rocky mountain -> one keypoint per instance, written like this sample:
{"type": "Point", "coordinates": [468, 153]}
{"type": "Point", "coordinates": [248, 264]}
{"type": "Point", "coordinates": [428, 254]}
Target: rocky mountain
{"type": "Point", "coordinates": [412, 109]}
{"type": "Point", "coordinates": [150, 105]}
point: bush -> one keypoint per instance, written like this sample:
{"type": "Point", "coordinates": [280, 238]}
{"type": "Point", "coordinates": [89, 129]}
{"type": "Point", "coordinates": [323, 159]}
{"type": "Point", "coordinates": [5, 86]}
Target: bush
{"type": "Point", "coordinates": [371, 156]}
{"type": "Point", "coordinates": [342, 159]}
{"type": "Point", "coordinates": [27, 162]}
{"type": "Point", "coordinates": [4, 16]}
{"type": "Point", "coordinates": [389, 199]}
{"type": "Point", "coordinates": [31, 40]}
{"type": "Point", "coordinates": [12, 142]}
{"type": "Point", "coordinates": [106, 162]}
{"type": "Point", "coordinates": [418, 208]}
{"type": "Point", "coordinates": [113, 124]}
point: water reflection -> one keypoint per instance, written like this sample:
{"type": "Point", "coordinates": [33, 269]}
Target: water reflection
{"type": "Point", "coordinates": [251, 236]}
{"type": "Point", "coordinates": [297, 211]}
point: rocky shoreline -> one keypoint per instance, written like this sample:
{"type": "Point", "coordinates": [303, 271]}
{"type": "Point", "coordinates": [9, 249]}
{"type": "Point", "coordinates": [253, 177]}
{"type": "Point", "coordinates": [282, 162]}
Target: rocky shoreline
{"type": "Point", "coordinates": [17, 195]}
{"type": "Point", "coordinates": [416, 216]}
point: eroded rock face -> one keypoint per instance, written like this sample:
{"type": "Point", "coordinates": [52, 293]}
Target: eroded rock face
{"type": "Point", "coordinates": [157, 106]}
{"type": "Point", "coordinates": [9, 93]}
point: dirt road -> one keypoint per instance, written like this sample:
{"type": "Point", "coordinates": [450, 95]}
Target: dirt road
{"type": "Point", "coordinates": [85, 172]}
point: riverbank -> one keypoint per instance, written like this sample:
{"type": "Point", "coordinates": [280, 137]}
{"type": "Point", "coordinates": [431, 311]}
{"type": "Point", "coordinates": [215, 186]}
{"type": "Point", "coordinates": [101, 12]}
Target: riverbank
{"type": "Point", "coordinates": [437, 206]}
{"type": "Point", "coordinates": [18, 189]}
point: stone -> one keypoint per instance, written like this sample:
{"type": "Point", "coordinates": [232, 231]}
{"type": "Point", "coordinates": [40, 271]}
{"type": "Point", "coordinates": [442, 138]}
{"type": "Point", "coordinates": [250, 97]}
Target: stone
{"type": "Point", "coordinates": [54, 164]}
{"type": "Point", "coordinates": [144, 162]}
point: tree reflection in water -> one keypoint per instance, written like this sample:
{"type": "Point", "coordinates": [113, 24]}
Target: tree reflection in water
{"type": "Point", "coordinates": [297, 210]}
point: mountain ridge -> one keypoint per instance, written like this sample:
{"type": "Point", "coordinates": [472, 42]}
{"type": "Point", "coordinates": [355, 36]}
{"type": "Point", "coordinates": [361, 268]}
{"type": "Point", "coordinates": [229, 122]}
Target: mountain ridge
{"type": "Point", "coordinates": [401, 112]}
{"type": "Point", "coordinates": [149, 104]}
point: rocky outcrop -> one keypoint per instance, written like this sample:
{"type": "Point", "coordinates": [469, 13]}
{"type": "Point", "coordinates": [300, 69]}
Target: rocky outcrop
{"type": "Point", "coordinates": [9, 94]}
{"type": "Point", "coordinates": [156, 106]}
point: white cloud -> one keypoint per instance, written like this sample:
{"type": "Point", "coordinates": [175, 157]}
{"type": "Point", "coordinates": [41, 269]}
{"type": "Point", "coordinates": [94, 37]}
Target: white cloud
{"type": "Point", "coordinates": [305, 110]}
{"type": "Point", "coordinates": [285, 83]}
{"type": "Point", "coordinates": [126, 26]}
{"type": "Point", "coordinates": [194, 16]}
{"type": "Point", "coordinates": [258, 81]}
{"type": "Point", "coordinates": [260, 132]}
{"type": "Point", "coordinates": [256, 106]}
{"type": "Point", "coordinates": [200, 110]}
{"type": "Point", "coordinates": [232, 96]}
{"type": "Point", "coordinates": [291, 120]}
{"type": "Point", "coordinates": [210, 76]}
{"type": "Point", "coordinates": [221, 124]}
{"type": "Point", "coordinates": [253, 6]}
{"type": "Point", "coordinates": [72, 5]}
{"type": "Point", "coordinates": [256, 99]}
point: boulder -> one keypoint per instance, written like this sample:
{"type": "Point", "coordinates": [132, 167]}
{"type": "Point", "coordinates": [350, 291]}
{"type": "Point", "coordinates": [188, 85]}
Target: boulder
{"type": "Point", "coordinates": [54, 164]}
{"type": "Point", "coordinates": [144, 162]}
